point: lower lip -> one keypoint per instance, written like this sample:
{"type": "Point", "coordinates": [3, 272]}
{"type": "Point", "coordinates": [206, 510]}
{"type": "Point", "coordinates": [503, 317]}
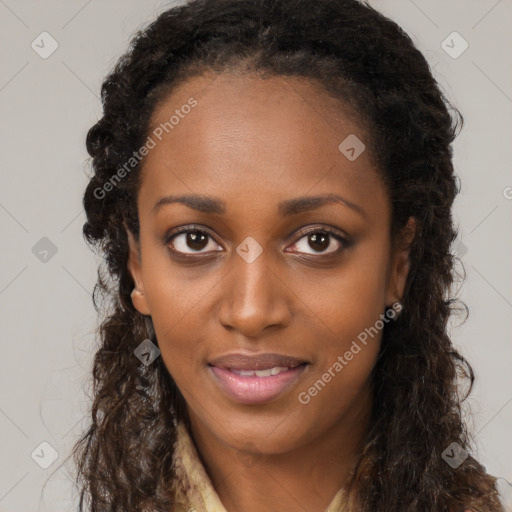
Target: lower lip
{"type": "Point", "coordinates": [253, 389]}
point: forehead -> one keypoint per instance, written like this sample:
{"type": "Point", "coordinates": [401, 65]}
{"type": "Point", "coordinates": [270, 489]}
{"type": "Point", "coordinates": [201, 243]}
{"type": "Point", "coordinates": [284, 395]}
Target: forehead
{"type": "Point", "coordinates": [270, 138]}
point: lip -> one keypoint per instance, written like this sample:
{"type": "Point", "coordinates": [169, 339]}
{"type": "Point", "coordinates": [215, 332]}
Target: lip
{"type": "Point", "coordinates": [253, 389]}
{"type": "Point", "coordinates": [263, 361]}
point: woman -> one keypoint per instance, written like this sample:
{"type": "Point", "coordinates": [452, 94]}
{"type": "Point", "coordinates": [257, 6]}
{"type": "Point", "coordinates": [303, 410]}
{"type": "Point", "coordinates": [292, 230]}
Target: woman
{"type": "Point", "coordinates": [272, 196]}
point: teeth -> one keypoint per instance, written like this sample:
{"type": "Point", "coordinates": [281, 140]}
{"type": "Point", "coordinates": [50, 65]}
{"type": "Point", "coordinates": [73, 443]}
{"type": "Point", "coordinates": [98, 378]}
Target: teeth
{"type": "Point", "coordinates": [244, 373]}
{"type": "Point", "coordinates": [261, 373]}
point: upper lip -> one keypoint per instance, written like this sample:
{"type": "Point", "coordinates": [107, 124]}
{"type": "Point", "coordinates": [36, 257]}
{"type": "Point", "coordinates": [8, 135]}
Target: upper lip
{"type": "Point", "coordinates": [239, 361]}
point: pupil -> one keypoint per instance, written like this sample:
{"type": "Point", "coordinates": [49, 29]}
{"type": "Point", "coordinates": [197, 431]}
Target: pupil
{"type": "Point", "coordinates": [321, 241]}
{"type": "Point", "coordinates": [197, 240]}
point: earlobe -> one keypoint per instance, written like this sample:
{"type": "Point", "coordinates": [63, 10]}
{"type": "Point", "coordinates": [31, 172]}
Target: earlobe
{"type": "Point", "coordinates": [401, 263]}
{"type": "Point", "coordinates": [139, 302]}
{"type": "Point", "coordinates": [134, 267]}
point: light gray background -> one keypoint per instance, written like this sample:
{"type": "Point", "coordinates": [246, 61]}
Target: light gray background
{"type": "Point", "coordinates": [47, 318]}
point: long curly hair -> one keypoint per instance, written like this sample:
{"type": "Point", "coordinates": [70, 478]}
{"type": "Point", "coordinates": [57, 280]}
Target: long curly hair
{"type": "Point", "coordinates": [359, 56]}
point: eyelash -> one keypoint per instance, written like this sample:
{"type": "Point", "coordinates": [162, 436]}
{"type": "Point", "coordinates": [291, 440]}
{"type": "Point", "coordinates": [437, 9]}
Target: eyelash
{"type": "Point", "coordinates": [344, 243]}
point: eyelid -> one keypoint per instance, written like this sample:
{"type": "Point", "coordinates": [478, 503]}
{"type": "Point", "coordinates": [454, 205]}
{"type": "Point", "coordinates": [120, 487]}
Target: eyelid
{"type": "Point", "coordinates": [325, 228]}
{"type": "Point", "coordinates": [184, 229]}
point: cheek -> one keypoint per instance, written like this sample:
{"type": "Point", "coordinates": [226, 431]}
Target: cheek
{"type": "Point", "coordinates": [345, 300]}
{"type": "Point", "coordinates": [177, 303]}
{"type": "Point", "coordinates": [344, 360]}
{"type": "Point", "coordinates": [350, 317]}
{"type": "Point", "coordinates": [176, 295]}
{"type": "Point", "coordinates": [180, 354]}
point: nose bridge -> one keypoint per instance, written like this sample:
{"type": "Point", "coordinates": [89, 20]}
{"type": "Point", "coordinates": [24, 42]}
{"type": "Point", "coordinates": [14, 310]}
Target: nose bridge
{"type": "Point", "coordinates": [253, 298]}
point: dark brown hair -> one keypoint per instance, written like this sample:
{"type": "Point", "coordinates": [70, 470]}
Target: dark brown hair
{"type": "Point", "coordinates": [361, 57]}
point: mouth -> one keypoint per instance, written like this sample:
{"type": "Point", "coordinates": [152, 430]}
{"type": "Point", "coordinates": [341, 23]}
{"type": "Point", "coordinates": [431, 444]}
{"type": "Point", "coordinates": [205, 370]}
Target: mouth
{"type": "Point", "coordinates": [256, 379]}
{"type": "Point", "coordinates": [276, 370]}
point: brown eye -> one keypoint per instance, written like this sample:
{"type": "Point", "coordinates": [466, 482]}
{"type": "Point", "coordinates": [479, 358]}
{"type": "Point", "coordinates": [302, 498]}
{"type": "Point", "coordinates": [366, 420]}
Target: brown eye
{"type": "Point", "coordinates": [192, 240]}
{"type": "Point", "coordinates": [321, 242]}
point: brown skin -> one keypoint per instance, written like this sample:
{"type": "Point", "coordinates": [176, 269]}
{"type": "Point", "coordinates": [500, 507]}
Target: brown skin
{"type": "Point", "coordinates": [253, 143]}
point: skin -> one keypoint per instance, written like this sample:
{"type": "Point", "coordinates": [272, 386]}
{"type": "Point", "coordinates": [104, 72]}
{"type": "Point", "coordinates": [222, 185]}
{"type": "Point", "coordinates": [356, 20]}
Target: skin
{"type": "Point", "coordinates": [253, 143]}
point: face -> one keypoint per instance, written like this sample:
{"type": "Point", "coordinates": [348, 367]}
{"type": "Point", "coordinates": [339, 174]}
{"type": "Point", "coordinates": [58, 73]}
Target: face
{"type": "Point", "coordinates": [282, 246]}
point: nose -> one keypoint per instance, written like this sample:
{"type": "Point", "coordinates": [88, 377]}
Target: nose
{"type": "Point", "coordinates": [254, 297]}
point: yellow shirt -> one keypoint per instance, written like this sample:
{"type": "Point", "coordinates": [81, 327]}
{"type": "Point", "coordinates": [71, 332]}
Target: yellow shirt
{"type": "Point", "coordinates": [193, 487]}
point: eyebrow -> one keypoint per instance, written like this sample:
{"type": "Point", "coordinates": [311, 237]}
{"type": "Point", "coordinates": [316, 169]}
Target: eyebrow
{"type": "Point", "coordinates": [289, 207]}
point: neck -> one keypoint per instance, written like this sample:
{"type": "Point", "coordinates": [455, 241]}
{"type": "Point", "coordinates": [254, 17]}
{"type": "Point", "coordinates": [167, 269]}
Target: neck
{"type": "Point", "coordinates": [305, 478]}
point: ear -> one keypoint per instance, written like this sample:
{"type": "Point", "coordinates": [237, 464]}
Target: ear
{"type": "Point", "coordinates": [400, 263]}
{"type": "Point", "coordinates": [134, 267]}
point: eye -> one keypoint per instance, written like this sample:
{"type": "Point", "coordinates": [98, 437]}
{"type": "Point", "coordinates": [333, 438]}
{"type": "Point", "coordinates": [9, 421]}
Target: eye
{"type": "Point", "coordinates": [193, 239]}
{"type": "Point", "coordinates": [321, 241]}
